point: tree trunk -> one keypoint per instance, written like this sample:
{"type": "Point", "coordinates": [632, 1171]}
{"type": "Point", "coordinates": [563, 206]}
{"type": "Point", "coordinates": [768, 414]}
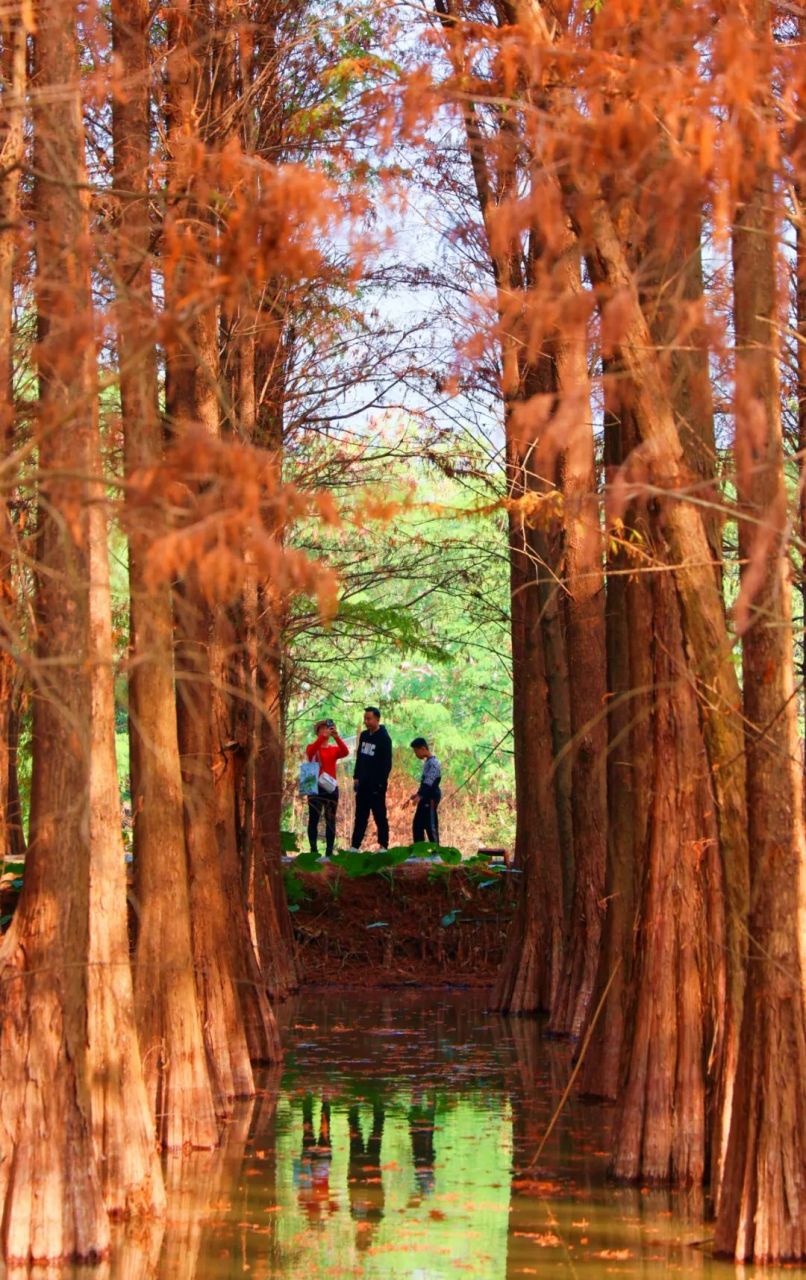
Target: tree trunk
{"type": "Point", "coordinates": [530, 973]}
{"type": "Point", "coordinates": [547, 564]}
{"type": "Point", "coordinates": [531, 970]}
{"type": "Point", "coordinates": [16, 829]}
{"type": "Point", "coordinates": [276, 944]}
{"type": "Point", "coordinates": [630, 764]}
{"type": "Point", "coordinates": [762, 1205]}
{"type": "Point", "coordinates": [275, 934]}
{"type": "Point", "coordinates": [212, 936]}
{"type": "Point", "coordinates": [191, 400]}
{"type": "Point", "coordinates": [585, 628]}
{"type": "Point", "coordinates": [231, 716]}
{"type": "Point", "coordinates": [168, 1019]}
{"type": "Point", "coordinates": [708, 643]}
{"type": "Point", "coordinates": [800, 326]}
{"type": "Point", "coordinates": [661, 1128]}
{"type": "Point", "coordinates": [13, 45]}
{"type": "Point", "coordinates": [259, 1021]}
{"type": "Point", "coordinates": [672, 1050]}
{"type": "Point", "coordinates": [69, 1063]}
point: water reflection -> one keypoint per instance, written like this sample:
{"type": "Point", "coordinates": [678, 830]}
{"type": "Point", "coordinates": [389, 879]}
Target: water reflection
{"type": "Point", "coordinates": [312, 1170]}
{"type": "Point", "coordinates": [401, 1143]}
{"type": "Point", "coordinates": [364, 1179]}
{"type": "Point", "coordinates": [422, 1112]}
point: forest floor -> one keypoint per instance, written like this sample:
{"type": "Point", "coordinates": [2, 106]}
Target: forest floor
{"type": "Point", "coordinates": [423, 925]}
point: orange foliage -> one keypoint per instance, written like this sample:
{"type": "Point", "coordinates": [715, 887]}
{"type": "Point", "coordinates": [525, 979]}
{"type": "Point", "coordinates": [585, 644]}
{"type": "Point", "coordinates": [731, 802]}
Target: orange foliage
{"type": "Point", "coordinates": [221, 508]}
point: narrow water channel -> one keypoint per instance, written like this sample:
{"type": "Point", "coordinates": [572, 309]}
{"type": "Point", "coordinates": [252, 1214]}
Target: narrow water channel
{"type": "Point", "coordinates": [396, 1141]}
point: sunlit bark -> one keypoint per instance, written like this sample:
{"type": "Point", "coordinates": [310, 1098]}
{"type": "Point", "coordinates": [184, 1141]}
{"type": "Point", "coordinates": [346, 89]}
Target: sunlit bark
{"type": "Point", "coordinates": [671, 1055]}
{"type": "Point", "coordinates": [191, 401]}
{"type": "Point", "coordinates": [661, 1131]}
{"type": "Point", "coordinates": [13, 42]}
{"type": "Point", "coordinates": [168, 1019]}
{"type": "Point", "coordinates": [629, 763]}
{"type": "Point", "coordinates": [584, 597]}
{"type": "Point", "coordinates": [530, 974]}
{"type": "Point", "coordinates": [275, 935]}
{"type": "Point", "coordinates": [705, 632]}
{"type": "Point", "coordinates": [70, 1066]}
{"type": "Point", "coordinates": [762, 1205]}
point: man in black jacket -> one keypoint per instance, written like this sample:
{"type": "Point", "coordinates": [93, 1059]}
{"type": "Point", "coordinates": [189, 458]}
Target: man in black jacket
{"type": "Point", "coordinates": [373, 764]}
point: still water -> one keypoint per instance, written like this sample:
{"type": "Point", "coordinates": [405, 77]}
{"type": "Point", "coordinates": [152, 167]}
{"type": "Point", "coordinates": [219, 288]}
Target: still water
{"type": "Point", "coordinates": [396, 1141]}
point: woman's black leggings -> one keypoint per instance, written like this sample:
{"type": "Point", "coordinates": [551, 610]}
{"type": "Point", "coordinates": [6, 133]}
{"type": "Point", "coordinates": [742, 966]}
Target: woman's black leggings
{"type": "Point", "coordinates": [325, 803]}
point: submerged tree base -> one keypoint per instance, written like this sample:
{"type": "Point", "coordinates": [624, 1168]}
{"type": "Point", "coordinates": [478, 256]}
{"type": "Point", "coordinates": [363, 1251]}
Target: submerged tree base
{"type": "Point", "coordinates": [50, 1188]}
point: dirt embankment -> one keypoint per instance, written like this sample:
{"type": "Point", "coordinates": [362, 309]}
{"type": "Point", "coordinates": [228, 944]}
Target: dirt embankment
{"type": "Point", "coordinates": [424, 925]}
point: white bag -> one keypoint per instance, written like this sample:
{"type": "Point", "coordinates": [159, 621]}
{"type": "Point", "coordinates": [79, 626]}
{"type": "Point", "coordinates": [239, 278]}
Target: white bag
{"type": "Point", "coordinates": [327, 783]}
{"type": "Point", "coordinates": [308, 778]}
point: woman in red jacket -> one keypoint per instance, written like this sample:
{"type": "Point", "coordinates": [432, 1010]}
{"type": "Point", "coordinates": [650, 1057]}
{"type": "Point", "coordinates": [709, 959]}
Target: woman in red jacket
{"type": "Point", "coordinates": [325, 802]}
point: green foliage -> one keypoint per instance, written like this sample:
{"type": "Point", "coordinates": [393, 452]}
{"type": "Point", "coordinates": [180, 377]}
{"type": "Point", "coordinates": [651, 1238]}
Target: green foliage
{"type": "Point", "coordinates": [422, 630]}
{"type": "Point", "coordinates": [427, 849]}
{"type": "Point", "coordinates": [348, 60]}
{"type": "Point", "coordinates": [398, 624]}
{"type": "Point", "coordinates": [356, 863]}
{"type": "Point", "coordinates": [307, 862]}
{"type": "Point", "coordinates": [294, 889]}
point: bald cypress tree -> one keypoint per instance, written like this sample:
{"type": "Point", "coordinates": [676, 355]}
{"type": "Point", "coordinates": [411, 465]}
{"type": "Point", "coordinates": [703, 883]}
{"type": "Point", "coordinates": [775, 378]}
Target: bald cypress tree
{"type": "Point", "coordinates": [69, 1062]}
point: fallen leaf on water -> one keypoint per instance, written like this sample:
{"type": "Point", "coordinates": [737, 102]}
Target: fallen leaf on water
{"type": "Point", "coordinates": [409, 1248]}
{"type": "Point", "coordinates": [535, 1187]}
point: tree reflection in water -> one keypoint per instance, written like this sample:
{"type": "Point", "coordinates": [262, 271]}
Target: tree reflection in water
{"type": "Point", "coordinates": [403, 1144]}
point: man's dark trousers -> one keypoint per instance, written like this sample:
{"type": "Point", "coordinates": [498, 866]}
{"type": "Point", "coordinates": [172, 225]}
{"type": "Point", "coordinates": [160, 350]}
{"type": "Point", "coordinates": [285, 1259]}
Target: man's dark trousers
{"type": "Point", "coordinates": [370, 801]}
{"type": "Point", "coordinates": [426, 823]}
